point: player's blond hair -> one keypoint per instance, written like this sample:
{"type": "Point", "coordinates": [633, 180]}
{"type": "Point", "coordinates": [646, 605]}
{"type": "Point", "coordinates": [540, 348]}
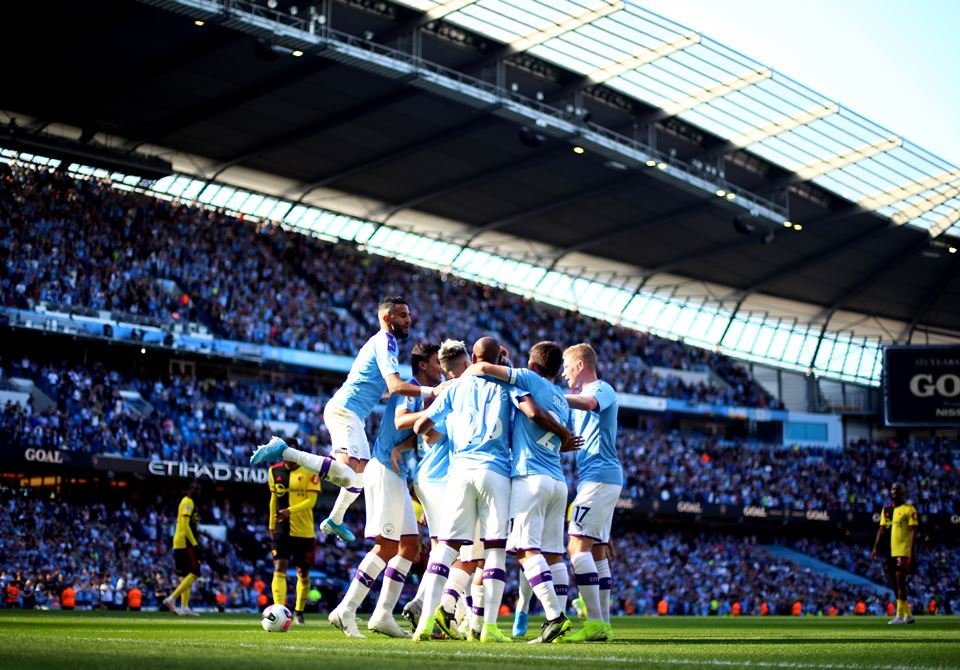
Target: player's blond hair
{"type": "Point", "coordinates": [582, 352]}
{"type": "Point", "coordinates": [450, 350]}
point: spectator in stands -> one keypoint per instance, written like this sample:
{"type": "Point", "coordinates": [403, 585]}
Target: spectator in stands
{"type": "Point", "coordinates": [79, 244]}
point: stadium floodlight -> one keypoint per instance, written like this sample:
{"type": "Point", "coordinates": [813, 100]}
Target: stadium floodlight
{"type": "Point", "coordinates": [900, 193]}
{"type": "Point", "coordinates": [846, 158]}
{"type": "Point", "coordinates": [569, 24]}
{"type": "Point", "coordinates": [914, 210]}
{"type": "Point", "coordinates": [616, 69]}
{"type": "Point", "coordinates": [783, 125]}
{"type": "Point", "coordinates": [705, 95]}
{"type": "Point", "coordinates": [944, 223]}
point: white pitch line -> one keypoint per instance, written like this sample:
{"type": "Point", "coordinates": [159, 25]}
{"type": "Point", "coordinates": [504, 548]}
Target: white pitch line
{"type": "Point", "coordinates": [611, 659]}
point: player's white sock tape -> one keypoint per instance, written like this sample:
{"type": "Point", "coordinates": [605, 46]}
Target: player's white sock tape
{"type": "Point", "coordinates": [524, 594]}
{"type": "Point", "coordinates": [438, 569]}
{"type": "Point", "coordinates": [605, 583]}
{"type": "Point", "coordinates": [328, 468]}
{"type": "Point", "coordinates": [393, 578]}
{"type": "Point", "coordinates": [561, 584]}
{"type": "Point", "coordinates": [494, 581]}
{"type": "Point", "coordinates": [540, 576]}
{"type": "Point", "coordinates": [346, 497]}
{"type": "Point", "coordinates": [456, 583]}
{"type": "Point", "coordinates": [476, 606]}
{"type": "Point", "coordinates": [367, 572]}
{"type": "Point", "coordinates": [588, 583]}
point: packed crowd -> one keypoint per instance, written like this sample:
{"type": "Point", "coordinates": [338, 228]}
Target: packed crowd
{"type": "Point", "coordinates": [81, 243]}
{"type": "Point", "coordinates": [90, 415]}
{"type": "Point", "coordinates": [679, 465]}
{"type": "Point", "coordinates": [190, 422]}
{"type": "Point", "coordinates": [187, 419]}
{"type": "Point", "coordinates": [935, 565]}
{"type": "Point", "coordinates": [709, 573]}
{"type": "Point", "coordinates": [108, 550]}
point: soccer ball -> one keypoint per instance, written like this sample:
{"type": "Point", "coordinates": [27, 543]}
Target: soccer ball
{"type": "Point", "coordinates": [276, 619]}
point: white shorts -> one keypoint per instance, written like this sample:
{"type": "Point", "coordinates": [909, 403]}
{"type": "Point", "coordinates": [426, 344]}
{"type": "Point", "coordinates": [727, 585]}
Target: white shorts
{"type": "Point", "coordinates": [472, 496]}
{"type": "Point", "coordinates": [432, 496]}
{"type": "Point", "coordinates": [537, 507]}
{"type": "Point", "coordinates": [473, 552]}
{"type": "Point", "coordinates": [592, 513]}
{"type": "Point", "coordinates": [388, 503]}
{"type": "Point", "coordinates": [346, 432]}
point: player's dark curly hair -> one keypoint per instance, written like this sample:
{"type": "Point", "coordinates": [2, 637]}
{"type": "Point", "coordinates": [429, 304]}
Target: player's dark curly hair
{"type": "Point", "coordinates": [421, 353]}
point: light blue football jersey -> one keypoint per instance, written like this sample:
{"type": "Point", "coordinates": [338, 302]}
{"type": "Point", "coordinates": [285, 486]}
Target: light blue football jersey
{"type": "Point", "coordinates": [478, 413]}
{"type": "Point", "coordinates": [597, 459]}
{"type": "Point", "coordinates": [388, 436]}
{"type": "Point", "coordinates": [366, 382]}
{"type": "Point", "coordinates": [537, 451]}
{"type": "Point", "coordinates": [434, 459]}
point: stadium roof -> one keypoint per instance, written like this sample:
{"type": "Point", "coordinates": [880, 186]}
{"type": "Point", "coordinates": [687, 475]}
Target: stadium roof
{"type": "Point", "coordinates": [668, 66]}
{"type": "Point", "coordinates": [650, 182]}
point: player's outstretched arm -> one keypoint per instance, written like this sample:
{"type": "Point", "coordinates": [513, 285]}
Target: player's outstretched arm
{"type": "Point", "coordinates": [396, 386]}
{"type": "Point", "coordinates": [585, 402]}
{"type": "Point", "coordinates": [547, 421]}
{"type": "Point", "coordinates": [483, 369]}
{"type": "Point", "coordinates": [404, 418]}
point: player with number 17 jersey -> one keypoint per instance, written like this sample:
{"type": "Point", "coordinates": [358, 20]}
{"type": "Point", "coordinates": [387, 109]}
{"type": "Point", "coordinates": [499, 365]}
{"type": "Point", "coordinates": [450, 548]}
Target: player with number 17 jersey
{"type": "Point", "coordinates": [597, 463]}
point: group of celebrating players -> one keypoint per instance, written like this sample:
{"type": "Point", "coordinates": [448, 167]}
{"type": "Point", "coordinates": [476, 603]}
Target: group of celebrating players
{"type": "Point", "coordinates": [488, 476]}
{"type": "Point", "coordinates": [489, 480]}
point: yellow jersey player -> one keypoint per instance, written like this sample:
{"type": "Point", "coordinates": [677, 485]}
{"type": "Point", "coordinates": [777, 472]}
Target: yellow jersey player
{"type": "Point", "coordinates": [897, 533]}
{"type": "Point", "coordinates": [293, 494]}
{"type": "Point", "coordinates": [185, 552]}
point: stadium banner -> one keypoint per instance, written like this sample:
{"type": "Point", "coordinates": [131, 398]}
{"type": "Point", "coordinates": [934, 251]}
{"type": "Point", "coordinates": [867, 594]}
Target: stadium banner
{"type": "Point", "coordinates": [921, 385]}
{"type": "Point", "coordinates": [48, 456]}
{"type": "Point", "coordinates": [758, 515]}
{"type": "Point", "coordinates": [219, 472]}
{"type": "Point", "coordinates": [732, 512]}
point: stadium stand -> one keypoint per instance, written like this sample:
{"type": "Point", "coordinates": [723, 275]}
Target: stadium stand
{"type": "Point", "coordinates": [681, 465]}
{"type": "Point", "coordinates": [188, 420]}
{"type": "Point", "coordinates": [260, 284]}
{"type": "Point", "coordinates": [802, 242]}
{"type": "Point", "coordinates": [112, 548]}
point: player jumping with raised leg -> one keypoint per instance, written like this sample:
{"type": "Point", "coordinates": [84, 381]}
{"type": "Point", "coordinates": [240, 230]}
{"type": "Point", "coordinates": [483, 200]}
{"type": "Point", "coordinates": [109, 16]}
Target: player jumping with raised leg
{"type": "Point", "coordinates": [391, 521]}
{"type": "Point", "coordinates": [375, 371]}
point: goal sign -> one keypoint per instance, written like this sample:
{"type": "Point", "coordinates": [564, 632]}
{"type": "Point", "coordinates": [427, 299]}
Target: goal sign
{"type": "Point", "coordinates": [921, 385]}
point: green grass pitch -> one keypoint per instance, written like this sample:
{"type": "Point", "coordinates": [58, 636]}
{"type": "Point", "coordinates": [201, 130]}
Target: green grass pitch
{"type": "Point", "coordinates": [117, 641]}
